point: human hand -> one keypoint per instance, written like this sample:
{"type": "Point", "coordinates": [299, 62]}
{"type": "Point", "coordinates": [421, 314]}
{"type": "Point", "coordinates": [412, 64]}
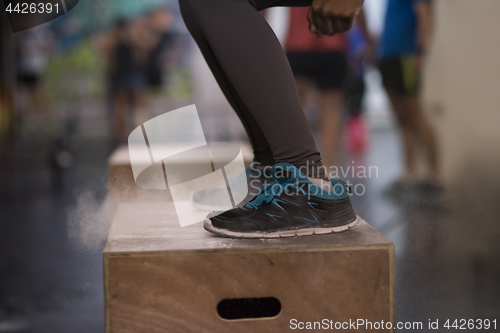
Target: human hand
{"type": "Point", "coordinates": [329, 17]}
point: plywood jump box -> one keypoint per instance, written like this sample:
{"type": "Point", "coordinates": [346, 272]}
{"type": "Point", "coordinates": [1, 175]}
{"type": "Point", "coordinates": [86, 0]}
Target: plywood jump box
{"type": "Point", "coordinates": [160, 277]}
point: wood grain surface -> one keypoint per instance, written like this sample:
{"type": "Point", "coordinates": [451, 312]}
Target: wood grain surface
{"type": "Point", "coordinates": [160, 277]}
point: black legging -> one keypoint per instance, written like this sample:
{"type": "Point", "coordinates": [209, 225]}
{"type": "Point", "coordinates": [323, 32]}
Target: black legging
{"type": "Point", "coordinates": [253, 72]}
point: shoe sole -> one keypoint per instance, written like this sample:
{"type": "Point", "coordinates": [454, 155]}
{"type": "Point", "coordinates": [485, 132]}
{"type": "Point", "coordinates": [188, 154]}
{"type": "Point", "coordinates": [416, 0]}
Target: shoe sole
{"type": "Point", "coordinates": [207, 224]}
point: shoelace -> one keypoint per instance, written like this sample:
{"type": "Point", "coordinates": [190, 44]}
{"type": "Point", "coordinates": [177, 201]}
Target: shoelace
{"type": "Point", "coordinates": [274, 189]}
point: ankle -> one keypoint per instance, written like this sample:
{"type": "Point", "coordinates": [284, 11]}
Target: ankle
{"type": "Point", "coordinates": [321, 176]}
{"type": "Point", "coordinates": [323, 183]}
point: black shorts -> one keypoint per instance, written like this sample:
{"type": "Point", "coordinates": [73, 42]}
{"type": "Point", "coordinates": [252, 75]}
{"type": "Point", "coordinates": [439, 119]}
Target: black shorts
{"type": "Point", "coordinates": [327, 69]}
{"type": "Point", "coordinates": [400, 75]}
{"type": "Point", "coordinates": [29, 79]}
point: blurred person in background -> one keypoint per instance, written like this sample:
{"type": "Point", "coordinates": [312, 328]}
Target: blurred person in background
{"type": "Point", "coordinates": [324, 62]}
{"type": "Point", "coordinates": [34, 47]}
{"type": "Point", "coordinates": [160, 25]}
{"type": "Point", "coordinates": [128, 48]}
{"type": "Point", "coordinates": [358, 53]}
{"type": "Point", "coordinates": [405, 41]}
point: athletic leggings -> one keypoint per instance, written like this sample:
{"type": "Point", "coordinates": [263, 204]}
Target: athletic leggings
{"type": "Point", "coordinates": [253, 72]}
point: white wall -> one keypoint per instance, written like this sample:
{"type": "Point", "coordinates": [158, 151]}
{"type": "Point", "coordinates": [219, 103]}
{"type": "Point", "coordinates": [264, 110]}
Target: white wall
{"type": "Point", "coordinates": [463, 94]}
{"type": "Point", "coordinates": [462, 87]}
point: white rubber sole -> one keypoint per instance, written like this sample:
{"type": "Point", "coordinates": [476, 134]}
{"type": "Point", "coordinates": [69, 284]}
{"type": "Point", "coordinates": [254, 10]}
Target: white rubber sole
{"type": "Point", "coordinates": [207, 224]}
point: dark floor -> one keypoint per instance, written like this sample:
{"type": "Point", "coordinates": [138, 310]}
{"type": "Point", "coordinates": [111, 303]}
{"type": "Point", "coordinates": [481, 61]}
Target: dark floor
{"type": "Point", "coordinates": [45, 284]}
{"type": "Point", "coordinates": [447, 262]}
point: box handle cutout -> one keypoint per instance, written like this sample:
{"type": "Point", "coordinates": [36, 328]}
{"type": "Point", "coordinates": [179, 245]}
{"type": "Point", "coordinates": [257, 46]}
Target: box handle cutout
{"type": "Point", "coordinates": [249, 308]}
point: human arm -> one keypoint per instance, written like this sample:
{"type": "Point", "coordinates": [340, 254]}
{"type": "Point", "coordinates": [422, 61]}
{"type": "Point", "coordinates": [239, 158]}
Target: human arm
{"type": "Point", "coordinates": [423, 11]}
{"type": "Point", "coordinates": [371, 43]}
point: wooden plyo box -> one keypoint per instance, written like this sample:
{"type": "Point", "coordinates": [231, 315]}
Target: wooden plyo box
{"type": "Point", "coordinates": [160, 277]}
{"type": "Point", "coordinates": [121, 177]}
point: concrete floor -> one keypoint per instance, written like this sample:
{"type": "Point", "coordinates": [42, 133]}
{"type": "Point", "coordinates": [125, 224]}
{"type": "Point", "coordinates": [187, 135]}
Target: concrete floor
{"type": "Point", "coordinates": [445, 268]}
{"type": "Point", "coordinates": [45, 284]}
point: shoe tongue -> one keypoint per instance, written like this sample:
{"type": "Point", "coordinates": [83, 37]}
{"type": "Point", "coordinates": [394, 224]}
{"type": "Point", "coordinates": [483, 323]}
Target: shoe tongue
{"type": "Point", "coordinates": [285, 172]}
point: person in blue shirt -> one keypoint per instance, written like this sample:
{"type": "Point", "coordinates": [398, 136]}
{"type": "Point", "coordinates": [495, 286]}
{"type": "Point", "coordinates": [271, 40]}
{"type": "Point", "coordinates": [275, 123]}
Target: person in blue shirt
{"type": "Point", "coordinates": [402, 49]}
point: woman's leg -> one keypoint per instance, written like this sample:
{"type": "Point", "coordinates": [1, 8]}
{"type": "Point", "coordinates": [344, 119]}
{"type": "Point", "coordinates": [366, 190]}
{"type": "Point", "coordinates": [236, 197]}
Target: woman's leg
{"type": "Point", "coordinates": [331, 112]}
{"type": "Point", "coordinates": [253, 72]}
{"type": "Point", "coordinates": [120, 116]}
{"type": "Point", "coordinates": [401, 111]}
{"type": "Point", "coordinates": [261, 149]}
{"type": "Point", "coordinates": [416, 130]}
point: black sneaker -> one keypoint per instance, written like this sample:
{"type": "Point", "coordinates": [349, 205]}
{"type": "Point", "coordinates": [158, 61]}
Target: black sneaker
{"type": "Point", "coordinates": [289, 206]}
{"type": "Point", "coordinates": [256, 177]}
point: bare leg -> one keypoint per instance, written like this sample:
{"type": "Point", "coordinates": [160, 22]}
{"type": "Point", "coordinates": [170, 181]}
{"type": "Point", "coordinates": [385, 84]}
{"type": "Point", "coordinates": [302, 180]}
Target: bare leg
{"type": "Point", "coordinates": [302, 90]}
{"type": "Point", "coordinates": [120, 116]}
{"type": "Point", "coordinates": [416, 130]}
{"type": "Point", "coordinates": [426, 137]}
{"type": "Point", "coordinates": [400, 109]}
{"type": "Point", "coordinates": [331, 110]}
{"type": "Point", "coordinates": [140, 103]}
